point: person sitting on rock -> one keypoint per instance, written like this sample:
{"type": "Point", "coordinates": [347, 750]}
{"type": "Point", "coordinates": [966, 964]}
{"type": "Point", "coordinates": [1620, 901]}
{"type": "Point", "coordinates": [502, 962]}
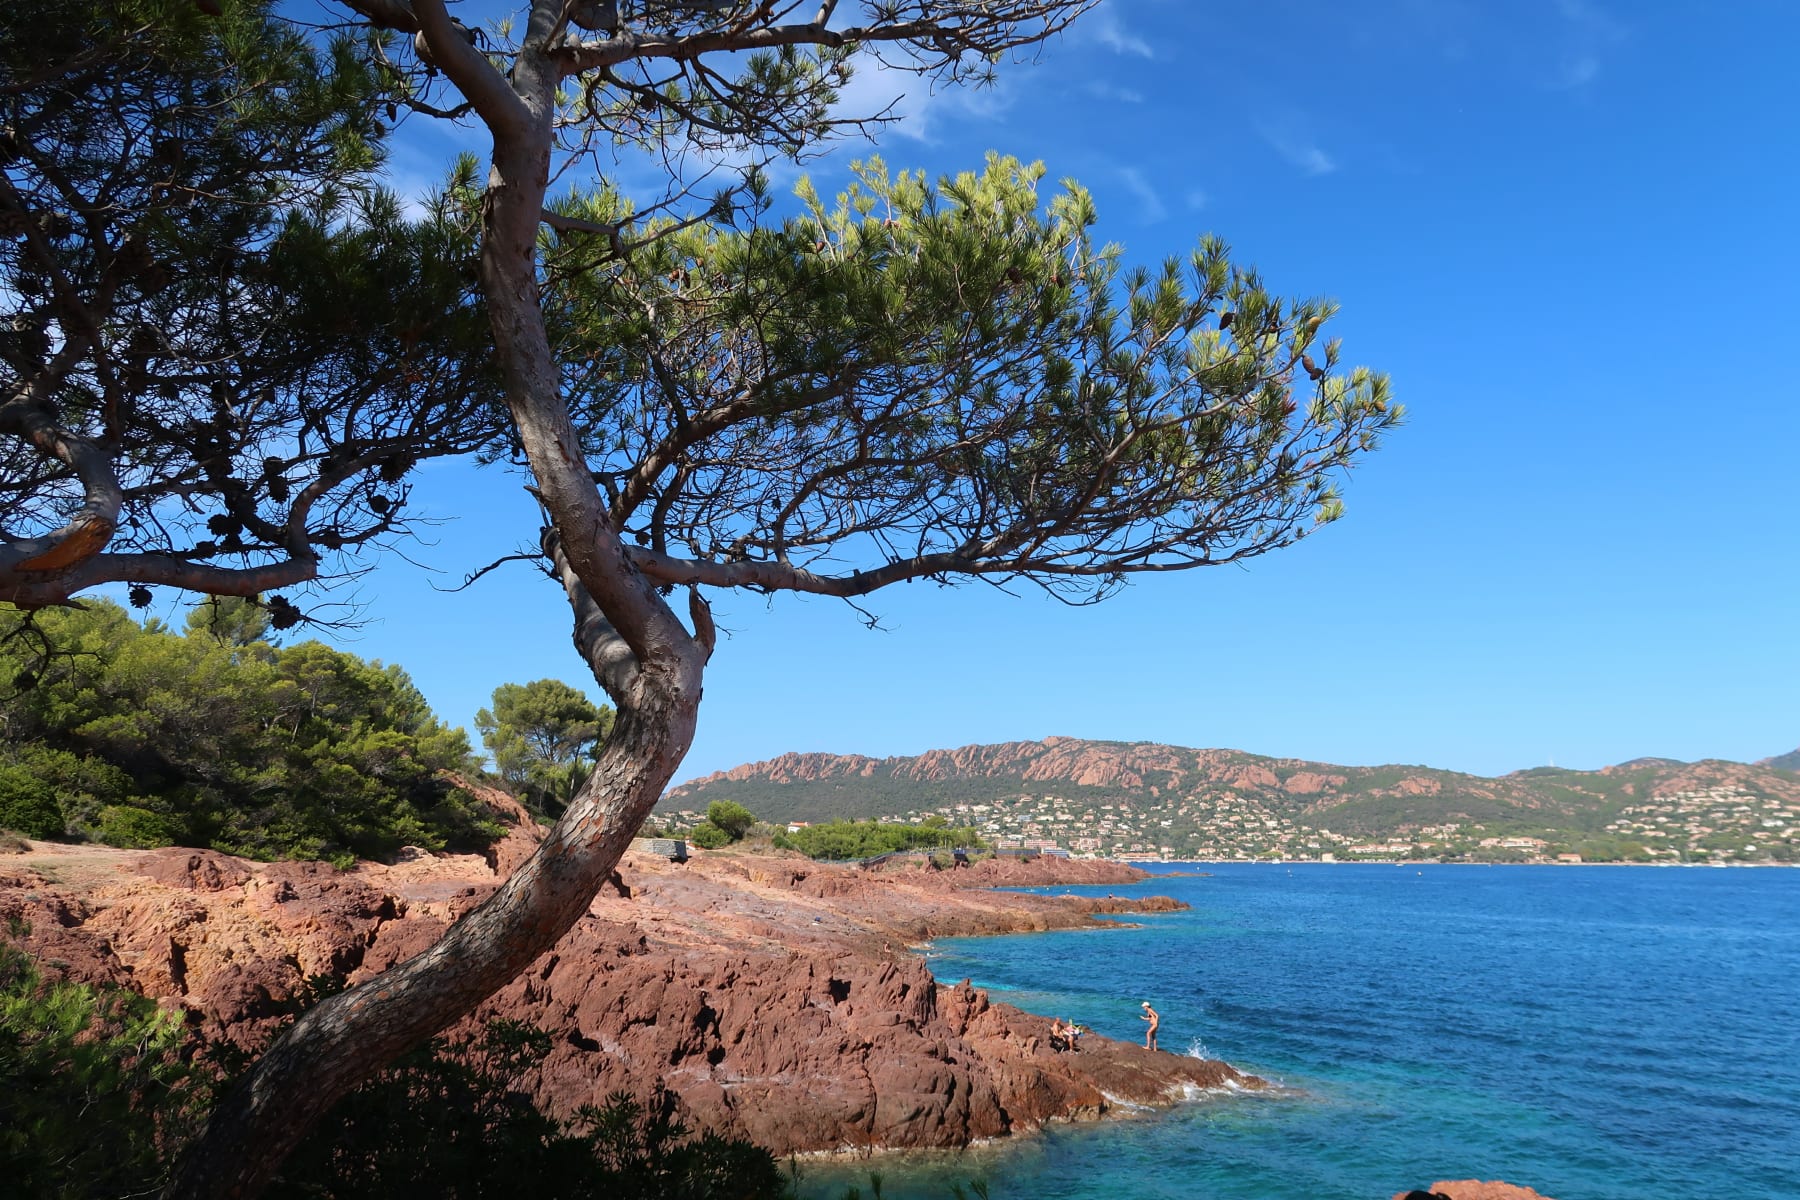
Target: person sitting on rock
{"type": "Point", "coordinates": [1064, 1035]}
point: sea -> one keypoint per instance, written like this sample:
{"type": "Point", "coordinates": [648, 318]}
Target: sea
{"type": "Point", "coordinates": [1594, 1032]}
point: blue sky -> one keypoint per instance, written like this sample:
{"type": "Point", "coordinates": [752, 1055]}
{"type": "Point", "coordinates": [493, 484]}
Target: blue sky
{"type": "Point", "coordinates": [1566, 228]}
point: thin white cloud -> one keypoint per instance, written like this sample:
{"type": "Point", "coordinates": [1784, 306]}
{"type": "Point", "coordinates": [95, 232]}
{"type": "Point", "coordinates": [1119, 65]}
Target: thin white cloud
{"type": "Point", "coordinates": [1298, 151]}
{"type": "Point", "coordinates": [420, 155]}
{"type": "Point", "coordinates": [1103, 26]}
{"type": "Point", "coordinates": [1151, 208]}
{"type": "Point", "coordinates": [913, 108]}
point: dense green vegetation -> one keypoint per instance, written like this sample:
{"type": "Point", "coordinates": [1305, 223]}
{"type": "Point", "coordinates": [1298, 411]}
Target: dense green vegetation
{"type": "Point", "coordinates": [135, 735]}
{"type": "Point", "coordinates": [854, 798]}
{"type": "Point", "coordinates": [448, 1120]}
{"type": "Point", "coordinates": [839, 840]}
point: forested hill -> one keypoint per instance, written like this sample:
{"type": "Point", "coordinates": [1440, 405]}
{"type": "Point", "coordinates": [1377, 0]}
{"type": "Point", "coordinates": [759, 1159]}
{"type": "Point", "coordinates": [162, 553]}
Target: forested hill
{"type": "Point", "coordinates": [1181, 801]}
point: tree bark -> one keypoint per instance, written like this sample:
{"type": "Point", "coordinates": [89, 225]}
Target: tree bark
{"type": "Point", "coordinates": [619, 615]}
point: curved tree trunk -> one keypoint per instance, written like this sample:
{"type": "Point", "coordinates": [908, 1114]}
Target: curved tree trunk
{"type": "Point", "coordinates": [637, 648]}
{"type": "Point", "coordinates": [344, 1040]}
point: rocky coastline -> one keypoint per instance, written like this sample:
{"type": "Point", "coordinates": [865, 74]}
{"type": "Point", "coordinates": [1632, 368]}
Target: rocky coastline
{"type": "Point", "coordinates": [776, 996]}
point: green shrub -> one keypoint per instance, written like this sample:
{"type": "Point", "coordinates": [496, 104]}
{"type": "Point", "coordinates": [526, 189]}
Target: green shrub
{"type": "Point", "coordinates": [708, 836]}
{"type": "Point", "coordinates": [730, 816]}
{"type": "Point", "coordinates": [135, 828]}
{"type": "Point", "coordinates": [865, 839]}
{"type": "Point", "coordinates": [28, 804]}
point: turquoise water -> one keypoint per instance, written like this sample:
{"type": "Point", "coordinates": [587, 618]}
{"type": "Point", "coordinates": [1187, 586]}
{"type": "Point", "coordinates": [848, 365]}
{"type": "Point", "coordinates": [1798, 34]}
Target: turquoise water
{"type": "Point", "coordinates": [1600, 1033]}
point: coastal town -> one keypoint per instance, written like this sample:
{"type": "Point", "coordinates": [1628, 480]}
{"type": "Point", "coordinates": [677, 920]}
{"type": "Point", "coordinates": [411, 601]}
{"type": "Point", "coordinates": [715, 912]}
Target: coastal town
{"type": "Point", "coordinates": [1711, 825]}
{"type": "Point", "coordinates": [1715, 825]}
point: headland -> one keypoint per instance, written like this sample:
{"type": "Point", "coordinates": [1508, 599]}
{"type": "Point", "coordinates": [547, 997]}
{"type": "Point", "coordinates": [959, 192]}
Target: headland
{"type": "Point", "coordinates": [776, 996]}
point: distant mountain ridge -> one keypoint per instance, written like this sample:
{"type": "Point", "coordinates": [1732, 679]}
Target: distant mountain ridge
{"type": "Point", "coordinates": [1786, 762]}
{"type": "Point", "coordinates": [1184, 788]}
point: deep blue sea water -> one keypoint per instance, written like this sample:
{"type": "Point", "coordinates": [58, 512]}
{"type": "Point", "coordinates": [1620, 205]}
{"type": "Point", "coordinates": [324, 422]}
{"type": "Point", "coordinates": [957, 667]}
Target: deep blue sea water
{"type": "Point", "coordinates": [1599, 1033]}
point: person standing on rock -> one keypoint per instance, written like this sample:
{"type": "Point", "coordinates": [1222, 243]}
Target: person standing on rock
{"type": "Point", "coordinates": [1150, 1014]}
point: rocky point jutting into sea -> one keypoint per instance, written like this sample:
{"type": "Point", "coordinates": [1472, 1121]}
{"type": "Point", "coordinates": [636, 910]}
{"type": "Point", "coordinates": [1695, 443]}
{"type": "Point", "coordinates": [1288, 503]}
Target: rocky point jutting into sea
{"type": "Point", "coordinates": [776, 996]}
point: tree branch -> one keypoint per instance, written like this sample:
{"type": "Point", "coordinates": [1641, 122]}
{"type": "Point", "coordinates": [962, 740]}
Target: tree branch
{"type": "Point", "coordinates": [606, 652]}
{"type": "Point", "coordinates": [469, 69]}
{"type": "Point", "coordinates": [88, 532]}
{"type": "Point", "coordinates": [386, 14]}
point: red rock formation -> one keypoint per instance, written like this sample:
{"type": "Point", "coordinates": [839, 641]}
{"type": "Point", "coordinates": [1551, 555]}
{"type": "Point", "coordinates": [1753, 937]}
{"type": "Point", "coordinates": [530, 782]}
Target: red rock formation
{"type": "Point", "coordinates": [773, 994]}
{"type": "Point", "coordinates": [1252, 775]}
{"type": "Point", "coordinates": [788, 768]}
{"type": "Point", "coordinates": [1474, 1189]}
{"type": "Point", "coordinates": [1035, 872]}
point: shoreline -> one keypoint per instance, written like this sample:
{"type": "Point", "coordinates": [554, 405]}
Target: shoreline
{"type": "Point", "coordinates": [1422, 862]}
{"type": "Point", "coordinates": [775, 996]}
{"type": "Point", "coordinates": [1123, 1109]}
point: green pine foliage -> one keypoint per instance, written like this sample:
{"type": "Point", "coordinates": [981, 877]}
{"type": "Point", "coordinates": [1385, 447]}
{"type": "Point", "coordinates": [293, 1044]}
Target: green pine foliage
{"type": "Point", "coordinates": [542, 736]}
{"type": "Point", "coordinates": [727, 822]}
{"type": "Point", "coordinates": [953, 364]}
{"type": "Point", "coordinates": [28, 803]}
{"type": "Point", "coordinates": [93, 1087]}
{"type": "Point", "coordinates": [136, 736]}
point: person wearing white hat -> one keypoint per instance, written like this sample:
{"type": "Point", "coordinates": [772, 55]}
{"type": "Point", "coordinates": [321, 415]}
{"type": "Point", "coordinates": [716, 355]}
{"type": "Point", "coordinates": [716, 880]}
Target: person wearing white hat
{"type": "Point", "coordinates": [1150, 1014]}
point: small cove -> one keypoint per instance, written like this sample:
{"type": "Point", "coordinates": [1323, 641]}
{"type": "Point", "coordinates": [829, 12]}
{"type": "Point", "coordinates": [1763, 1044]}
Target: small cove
{"type": "Point", "coordinates": [1600, 1033]}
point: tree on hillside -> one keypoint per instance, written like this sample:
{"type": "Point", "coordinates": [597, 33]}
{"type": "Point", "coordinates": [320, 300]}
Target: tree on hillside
{"type": "Point", "coordinates": [542, 735]}
{"type": "Point", "coordinates": [907, 383]}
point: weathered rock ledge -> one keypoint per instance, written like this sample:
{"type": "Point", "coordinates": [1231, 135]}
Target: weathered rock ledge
{"type": "Point", "coordinates": [775, 995]}
{"type": "Point", "coordinates": [1471, 1189]}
